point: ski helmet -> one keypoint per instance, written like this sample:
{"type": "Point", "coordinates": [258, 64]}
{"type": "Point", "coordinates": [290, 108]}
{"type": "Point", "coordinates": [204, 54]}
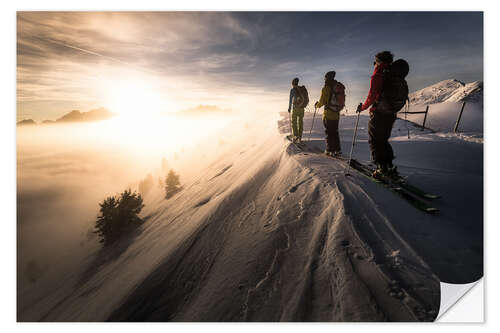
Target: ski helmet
{"type": "Point", "coordinates": [295, 81]}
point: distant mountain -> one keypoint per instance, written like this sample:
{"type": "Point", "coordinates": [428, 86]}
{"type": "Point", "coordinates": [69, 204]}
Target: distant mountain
{"type": "Point", "coordinates": [92, 115]}
{"type": "Point", "coordinates": [25, 122]}
{"type": "Point", "coordinates": [48, 122]}
{"type": "Point", "coordinates": [449, 91]}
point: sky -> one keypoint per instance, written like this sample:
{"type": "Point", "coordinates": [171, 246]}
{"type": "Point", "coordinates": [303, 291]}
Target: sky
{"type": "Point", "coordinates": [169, 61]}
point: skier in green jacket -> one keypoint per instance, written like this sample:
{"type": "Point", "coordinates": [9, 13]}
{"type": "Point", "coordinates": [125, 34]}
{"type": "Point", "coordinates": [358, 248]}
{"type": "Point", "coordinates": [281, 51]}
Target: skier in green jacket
{"type": "Point", "coordinates": [299, 99]}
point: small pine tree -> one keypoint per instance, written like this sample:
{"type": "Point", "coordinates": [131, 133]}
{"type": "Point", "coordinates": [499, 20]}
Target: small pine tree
{"type": "Point", "coordinates": [118, 215]}
{"type": "Point", "coordinates": [172, 184]}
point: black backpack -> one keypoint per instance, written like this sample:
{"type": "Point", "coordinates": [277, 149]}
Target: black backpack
{"type": "Point", "coordinates": [301, 97]}
{"type": "Point", "coordinates": [394, 88]}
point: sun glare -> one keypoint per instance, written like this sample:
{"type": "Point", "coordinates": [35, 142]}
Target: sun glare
{"type": "Point", "coordinates": [146, 122]}
{"type": "Point", "coordinates": [135, 99]}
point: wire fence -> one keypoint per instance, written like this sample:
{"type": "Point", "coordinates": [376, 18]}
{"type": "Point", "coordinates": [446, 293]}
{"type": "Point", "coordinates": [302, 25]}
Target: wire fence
{"type": "Point", "coordinates": [425, 112]}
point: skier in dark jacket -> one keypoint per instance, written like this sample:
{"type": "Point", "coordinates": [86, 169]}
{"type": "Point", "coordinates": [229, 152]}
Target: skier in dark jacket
{"type": "Point", "coordinates": [380, 124]}
{"type": "Point", "coordinates": [333, 98]}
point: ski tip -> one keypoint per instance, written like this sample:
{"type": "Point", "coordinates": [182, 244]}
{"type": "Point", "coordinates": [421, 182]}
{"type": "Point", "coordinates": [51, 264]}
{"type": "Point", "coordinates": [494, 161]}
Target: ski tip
{"type": "Point", "coordinates": [432, 210]}
{"type": "Point", "coordinates": [432, 196]}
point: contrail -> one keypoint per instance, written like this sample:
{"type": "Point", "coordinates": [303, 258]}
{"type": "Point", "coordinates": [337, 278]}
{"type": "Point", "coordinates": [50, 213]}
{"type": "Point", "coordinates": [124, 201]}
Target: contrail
{"type": "Point", "coordinates": [82, 50]}
{"type": "Point", "coordinates": [96, 54]}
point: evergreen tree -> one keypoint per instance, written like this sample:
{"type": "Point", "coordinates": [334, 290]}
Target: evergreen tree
{"type": "Point", "coordinates": [172, 184]}
{"type": "Point", "coordinates": [118, 215]}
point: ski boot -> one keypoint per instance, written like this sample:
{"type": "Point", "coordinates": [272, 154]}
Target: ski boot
{"type": "Point", "coordinates": [328, 153]}
{"type": "Point", "coordinates": [337, 153]}
{"type": "Point", "coordinates": [392, 173]}
{"type": "Point", "coordinates": [380, 172]}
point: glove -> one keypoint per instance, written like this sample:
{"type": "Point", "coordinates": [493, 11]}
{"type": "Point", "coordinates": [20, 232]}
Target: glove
{"type": "Point", "coordinates": [358, 110]}
{"type": "Point", "coordinates": [288, 110]}
{"type": "Point", "coordinates": [316, 105]}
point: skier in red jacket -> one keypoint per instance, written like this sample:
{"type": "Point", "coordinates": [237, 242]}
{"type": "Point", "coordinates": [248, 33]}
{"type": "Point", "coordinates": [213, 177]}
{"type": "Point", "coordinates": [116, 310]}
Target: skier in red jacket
{"type": "Point", "coordinates": [380, 124]}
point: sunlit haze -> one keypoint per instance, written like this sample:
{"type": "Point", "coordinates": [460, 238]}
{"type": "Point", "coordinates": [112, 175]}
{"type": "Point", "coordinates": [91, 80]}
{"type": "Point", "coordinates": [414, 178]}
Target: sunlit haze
{"type": "Point", "coordinates": [146, 62]}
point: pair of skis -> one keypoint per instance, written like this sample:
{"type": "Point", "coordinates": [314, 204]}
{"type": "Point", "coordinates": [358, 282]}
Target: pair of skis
{"type": "Point", "coordinates": [409, 192]}
{"type": "Point", "coordinates": [412, 194]}
{"type": "Point", "coordinates": [300, 145]}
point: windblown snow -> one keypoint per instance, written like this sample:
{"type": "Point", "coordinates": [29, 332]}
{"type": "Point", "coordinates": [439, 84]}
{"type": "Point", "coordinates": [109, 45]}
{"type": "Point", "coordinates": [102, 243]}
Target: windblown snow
{"type": "Point", "coordinates": [263, 231]}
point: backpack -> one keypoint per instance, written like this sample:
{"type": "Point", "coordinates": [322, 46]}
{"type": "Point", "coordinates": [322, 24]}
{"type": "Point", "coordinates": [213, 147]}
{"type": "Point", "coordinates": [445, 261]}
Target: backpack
{"type": "Point", "coordinates": [301, 97]}
{"type": "Point", "coordinates": [394, 88]}
{"type": "Point", "coordinates": [336, 102]}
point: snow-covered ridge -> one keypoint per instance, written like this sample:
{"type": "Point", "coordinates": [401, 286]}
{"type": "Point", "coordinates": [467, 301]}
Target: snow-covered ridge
{"type": "Point", "coordinates": [450, 90]}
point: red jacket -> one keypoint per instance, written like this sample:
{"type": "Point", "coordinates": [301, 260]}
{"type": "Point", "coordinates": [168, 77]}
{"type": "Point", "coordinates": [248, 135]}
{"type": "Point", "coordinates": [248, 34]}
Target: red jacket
{"type": "Point", "coordinates": [375, 87]}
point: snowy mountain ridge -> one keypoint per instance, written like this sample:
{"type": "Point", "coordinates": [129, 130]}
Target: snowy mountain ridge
{"type": "Point", "coordinates": [451, 90]}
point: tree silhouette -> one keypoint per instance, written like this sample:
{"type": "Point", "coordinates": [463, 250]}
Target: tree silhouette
{"type": "Point", "coordinates": [119, 215]}
{"type": "Point", "coordinates": [172, 184]}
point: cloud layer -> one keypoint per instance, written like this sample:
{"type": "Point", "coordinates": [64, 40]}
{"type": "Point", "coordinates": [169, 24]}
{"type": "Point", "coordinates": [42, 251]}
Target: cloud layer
{"type": "Point", "coordinates": [67, 60]}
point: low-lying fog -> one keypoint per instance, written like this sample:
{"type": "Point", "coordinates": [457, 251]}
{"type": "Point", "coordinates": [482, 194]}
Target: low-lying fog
{"type": "Point", "coordinates": [65, 171]}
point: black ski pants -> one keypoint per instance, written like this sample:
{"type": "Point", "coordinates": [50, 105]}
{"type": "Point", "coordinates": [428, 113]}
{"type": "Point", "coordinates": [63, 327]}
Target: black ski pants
{"type": "Point", "coordinates": [332, 134]}
{"type": "Point", "coordinates": [379, 131]}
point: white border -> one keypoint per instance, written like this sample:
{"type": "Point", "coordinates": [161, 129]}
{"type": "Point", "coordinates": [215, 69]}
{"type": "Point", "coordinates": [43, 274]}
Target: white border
{"type": "Point", "coordinates": [469, 308]}
{"type": "Point", "coordinates": [7, 132]}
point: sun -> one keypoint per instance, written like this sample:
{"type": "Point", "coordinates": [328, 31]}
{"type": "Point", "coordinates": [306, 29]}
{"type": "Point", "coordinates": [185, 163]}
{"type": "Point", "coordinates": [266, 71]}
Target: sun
{"type": "Point", "coordinates": [135, 99]}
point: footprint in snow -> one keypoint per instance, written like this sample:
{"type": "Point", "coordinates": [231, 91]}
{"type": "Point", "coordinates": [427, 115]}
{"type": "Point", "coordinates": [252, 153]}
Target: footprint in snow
{"type": "Point", "coordinates": [295, 187]}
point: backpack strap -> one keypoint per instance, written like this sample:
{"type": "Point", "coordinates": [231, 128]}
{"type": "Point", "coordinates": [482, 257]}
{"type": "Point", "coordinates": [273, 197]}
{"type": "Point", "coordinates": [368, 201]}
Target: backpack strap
{"type": "Point", "coordinates": [298, 95]}
{"type": "Point", "coordinates": [334, 87]}
{"type": "Point", "coordinates": [333, 92]}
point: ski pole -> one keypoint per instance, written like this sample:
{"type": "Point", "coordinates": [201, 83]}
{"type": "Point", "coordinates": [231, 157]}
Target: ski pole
{"type": "Point", "coordinates": [312, 125]}
{"type": "Point", "coordinates": [406, 118]}
{"type": "Point", "coordinates": [290, 119]}
{"type": "Point", "coordinates": [346, 170]}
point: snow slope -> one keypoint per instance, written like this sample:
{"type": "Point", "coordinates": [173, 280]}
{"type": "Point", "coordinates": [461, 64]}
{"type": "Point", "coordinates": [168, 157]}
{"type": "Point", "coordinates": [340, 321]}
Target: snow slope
{"type": "Point", "coordinates": [265, 232]}
{"type": "Point", "coordinates": [451, 91]}
{"type": "Point", "coordinates": [445, 101]}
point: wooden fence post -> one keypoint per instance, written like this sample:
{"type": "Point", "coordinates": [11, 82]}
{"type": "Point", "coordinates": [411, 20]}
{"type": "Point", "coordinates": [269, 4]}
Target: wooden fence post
{"type": "Point", "coordinates": [459, 116]}
{"type": "Point", "coordinates": [425, 117]}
